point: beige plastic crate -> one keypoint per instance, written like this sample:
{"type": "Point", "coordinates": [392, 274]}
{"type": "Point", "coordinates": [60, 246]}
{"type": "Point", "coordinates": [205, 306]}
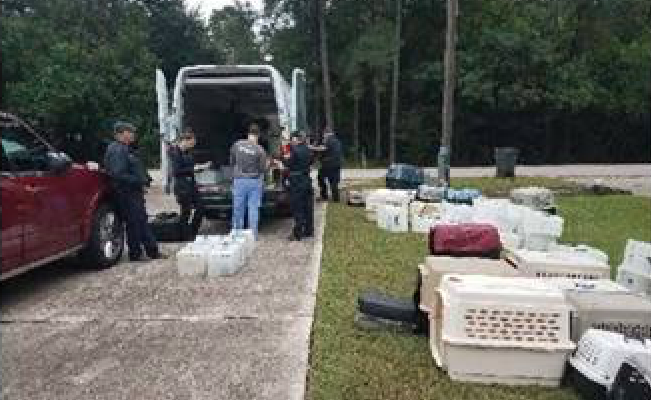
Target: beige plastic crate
{"type": "Point", "coordinates": [558, 264]}
{"type": "Point", "coordinates": [503, 330]}
{"type": "Point", "coordinates": [620, 312]}
{"type": "Point", "coordinates": [436, 266]}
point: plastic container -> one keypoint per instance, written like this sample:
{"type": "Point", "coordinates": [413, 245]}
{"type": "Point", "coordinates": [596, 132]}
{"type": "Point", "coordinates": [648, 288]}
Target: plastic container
{"type": "Point", "coordinates": [598, 358]}
{"type": "Point", "coordinates": [379, 197]}
{"type": "Point", "coordinates": [191, 260]}
{"type": "Point", "coordinates": [436, 267]}
{"type": "Point", "coordinates": [637, 255]}
{"type": "Point", "coordinates": [456, 213]}
{"type": "Point", "coordinates": [582, 250]}
{"type": "Point", "coordinates": [431, 193]}
{"type": "Point", "coordinates": [505, 161]}
{"type": "Point", "coordinates": [537, 198]}
{"type": "Point", "coordinates": [393, 218]}
{"type": "Point", "coordinates": [633, 381]}
{"type": "Point", "coordinates": [225, 258]}
{"type": "Point", "coordinates": [422, 216]}
{"type": "Point", "coordinates": [246, 238]}
{"type": "Point", "coordinates": [541, 264]}
{"type": "Point", "coordinates": [615, 311]}
{"type": "Point", "coordinates": [635, 282]}
{"type": "Point", "coordinates": [504, 330]}
{"type": "Point", "coordinates": [431, 274]}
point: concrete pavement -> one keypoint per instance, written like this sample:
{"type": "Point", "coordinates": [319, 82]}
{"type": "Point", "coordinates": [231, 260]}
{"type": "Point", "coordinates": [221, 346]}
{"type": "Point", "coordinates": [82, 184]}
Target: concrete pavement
{"type": "Point", "coordinates": [139, 331]}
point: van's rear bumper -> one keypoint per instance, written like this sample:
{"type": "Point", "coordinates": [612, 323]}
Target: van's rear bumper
{"type": "Point", "coordinates": [220, 204]}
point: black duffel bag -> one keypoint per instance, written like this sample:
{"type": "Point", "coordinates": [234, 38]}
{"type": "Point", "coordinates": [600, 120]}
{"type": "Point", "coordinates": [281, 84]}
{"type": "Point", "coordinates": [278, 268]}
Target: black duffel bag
{"type": "Point", "coordinates": [167, 227]}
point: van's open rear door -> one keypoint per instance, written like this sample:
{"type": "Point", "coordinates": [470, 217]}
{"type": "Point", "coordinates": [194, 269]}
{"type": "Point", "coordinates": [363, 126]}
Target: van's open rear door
{"type": "Point", "coordinates": [298, 112]}
{"type": "Point", "coordinates": [164, 127]}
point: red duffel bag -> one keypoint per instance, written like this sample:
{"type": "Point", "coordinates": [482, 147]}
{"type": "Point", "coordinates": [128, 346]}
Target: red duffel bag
{"type": "Point", "coordinates": [465, 240]}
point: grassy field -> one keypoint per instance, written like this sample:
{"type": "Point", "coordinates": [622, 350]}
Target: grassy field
{"type": "Point", "coordinates": [349, 363]}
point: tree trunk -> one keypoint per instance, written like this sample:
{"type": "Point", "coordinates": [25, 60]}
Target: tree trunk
{"type": "Point", "coordinates": [325, 70]}
{"type": "Point", "coordinates": [356, 125]}
{"type": "Point", "coordinates": [396, 78]}
{"type": "Point", "coordinates": [450, 72]}
{"type": "Point", "coordinates": [378, 128]}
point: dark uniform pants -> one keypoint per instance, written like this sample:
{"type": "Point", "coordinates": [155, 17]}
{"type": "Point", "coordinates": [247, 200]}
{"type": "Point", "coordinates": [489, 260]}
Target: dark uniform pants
{"type": "Point", "coordinates": [139, 233]}
{"type": "Point", "coordinates": [187, 203]}
{"type": "Point", "coordinates": [329, 177]}
{"type": "Point", "coordinates": [301, 198]}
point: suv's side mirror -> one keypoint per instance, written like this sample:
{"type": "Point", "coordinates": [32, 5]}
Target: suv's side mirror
{"type": "Point", "coordinates": [58, 162]}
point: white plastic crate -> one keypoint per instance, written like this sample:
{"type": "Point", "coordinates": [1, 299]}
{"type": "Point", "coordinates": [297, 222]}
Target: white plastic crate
{"type": "Point", "coordinates": [393, 218]}
{"type": "Point", "coordinates": [247, 238]}
{"type": "Point", "coordinates": [422, 216]}
{"type": "Point", "coordinates": [582, 250]}
{"type": "Point", "coordinates": [432, 273]}
{"type": "Point", "coordinates": [431, 193]}
{"type": "Point", "coordinates": [191, 260]}
{"type": "Point", "coordinates": [504, 330]}
{"type": "Point", "coordinates": [611, 310]}
{"type": "Point", "coordinates": [537, 198]}
{"type": "Point", "coordinates": [599, 355]}
{"type": "Point", "coordinates": [635, 282]}
{"type": "Point", "coordinates": [436, 267]}
{"type": "Point", "coordinates": [456, 213]}
{"type": "Point", "coordinates": [379, 197]}
{"type": "Point", "coordinates": [540, 264]}
{"type": "Point", "coordinates": [638, 256]}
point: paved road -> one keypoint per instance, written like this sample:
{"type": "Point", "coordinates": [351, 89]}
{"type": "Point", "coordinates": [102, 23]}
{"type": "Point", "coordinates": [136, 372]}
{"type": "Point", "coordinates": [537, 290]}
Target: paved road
{"type": "Point", "coordinates": [574, 170]}
{"type": "Point", "coordinates": [139, 331]}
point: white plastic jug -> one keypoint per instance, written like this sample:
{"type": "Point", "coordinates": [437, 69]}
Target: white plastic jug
{"type": "Point", "coordinates": [225, 259]}
{"type": "Point", "coordinates": [191, 260]}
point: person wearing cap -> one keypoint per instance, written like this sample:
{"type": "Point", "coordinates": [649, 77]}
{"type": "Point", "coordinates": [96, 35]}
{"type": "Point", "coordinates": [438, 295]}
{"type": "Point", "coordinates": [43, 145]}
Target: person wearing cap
{"type": "Point", "coordinates": [249, 161]}
{"type": "Point", "coordinates": [331, 160]}
{"type": "Point", "coordinates": [301, 196]}
{"type": "Point", "coordinates": [185, 185]}
{"type": "Point", "coordinates": [129, 180]}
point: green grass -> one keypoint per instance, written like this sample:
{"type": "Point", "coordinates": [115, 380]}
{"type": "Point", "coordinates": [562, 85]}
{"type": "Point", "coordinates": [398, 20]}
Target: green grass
{"type": "Point", "coordinates": [349, 363]}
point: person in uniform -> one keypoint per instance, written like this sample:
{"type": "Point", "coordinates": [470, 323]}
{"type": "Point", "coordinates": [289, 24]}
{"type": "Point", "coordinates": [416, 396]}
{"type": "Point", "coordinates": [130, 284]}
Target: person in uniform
{"type": "Point", "coordinates": [331, 160]}
{"type": "Point", "coordinates": [129, 180]}
{"type": "Point", "coordinates": [301, 196]}
{"type": "Point", "coordinates": [185, 185]}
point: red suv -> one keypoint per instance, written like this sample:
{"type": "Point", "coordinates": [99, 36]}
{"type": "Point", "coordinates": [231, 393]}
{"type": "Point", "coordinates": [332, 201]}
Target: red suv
{"type": "Point", "coordinates": [51, 207]}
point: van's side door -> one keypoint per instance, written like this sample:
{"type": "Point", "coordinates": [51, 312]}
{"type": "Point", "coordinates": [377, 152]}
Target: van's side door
{"type": "Point", "coordinates": [164, 125]}
{"type": "Point", "coordinates": [297, 109]}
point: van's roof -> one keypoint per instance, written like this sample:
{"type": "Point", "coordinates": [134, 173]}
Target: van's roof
{"type": "Point", "coordinates": [228, 69]}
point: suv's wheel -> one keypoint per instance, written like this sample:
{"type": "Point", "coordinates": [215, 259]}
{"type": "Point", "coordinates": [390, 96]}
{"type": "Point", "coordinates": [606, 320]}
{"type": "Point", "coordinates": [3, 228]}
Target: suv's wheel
{"type": "Point", "coordinates": [106, 241]}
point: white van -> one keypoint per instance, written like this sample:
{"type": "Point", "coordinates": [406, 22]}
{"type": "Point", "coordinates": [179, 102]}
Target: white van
{"type": "Point", "coordinates": [218, 102]}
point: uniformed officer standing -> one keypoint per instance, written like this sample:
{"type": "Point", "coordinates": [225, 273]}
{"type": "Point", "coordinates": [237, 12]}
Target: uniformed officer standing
{"type": "Point", "coordinates": [129, 180]}
{"type": "Point", "coordinates": [185, 185]}
{"type": "Point", "coordinates": [331, 160]}
{"type": "Point", "coordinates": [301, 196]}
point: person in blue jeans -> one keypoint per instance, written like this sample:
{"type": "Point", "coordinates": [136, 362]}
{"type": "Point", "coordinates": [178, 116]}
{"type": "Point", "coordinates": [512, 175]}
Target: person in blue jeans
{"type": "Point", "coordinates": [250, 163]}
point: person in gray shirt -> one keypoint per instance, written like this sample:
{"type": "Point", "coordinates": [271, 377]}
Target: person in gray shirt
{"type": "Point", "coordinates": [250, 163]}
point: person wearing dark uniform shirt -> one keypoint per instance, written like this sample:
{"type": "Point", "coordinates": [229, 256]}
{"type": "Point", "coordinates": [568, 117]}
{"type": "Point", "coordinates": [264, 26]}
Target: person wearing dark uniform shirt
{"type": "Point", "coordinates": [185, 185]}
{"type": "Point", "coordinates": [301, 196]}
{"type": "Point", "coordinates": [129, 179]}
{"type": "Point", "coordinates": [330, 171]}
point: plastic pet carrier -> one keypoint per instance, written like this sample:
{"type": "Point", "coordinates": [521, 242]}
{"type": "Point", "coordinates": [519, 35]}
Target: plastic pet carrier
{"type": "Point", "coordinates": [633, 381]}
{"type": "Point", "coordinates": [465, 240]}
{"type": "Point", "coordinates": [537, 198]}
{"type": "Point", "coordinates": [504, 330]}
{"type": "Point", "coordinates": [423, 216]}
{"type": "Point", "coordinates": [393, 218]}
{"type": "Point", "coordinates": [404, 176]}
{"type": "Point", "coordinates": [598, 359]}
{"type": "Point", "coordinates": [620, 312]}
{"type": "Point", "coordinates": [542, 264]}
{"type": "Point", "coordinates": [462, 196]}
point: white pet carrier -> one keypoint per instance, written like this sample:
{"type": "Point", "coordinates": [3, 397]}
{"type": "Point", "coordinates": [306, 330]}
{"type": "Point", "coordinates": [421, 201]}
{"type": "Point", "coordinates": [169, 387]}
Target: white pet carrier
{"type": "Point", "coordinates": [555, 264]}
{"type": "Point", "coordinates": [504, 330]}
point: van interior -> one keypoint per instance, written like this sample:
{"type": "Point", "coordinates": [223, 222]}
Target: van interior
{"type": "Point", "coordinates": [220, 107]}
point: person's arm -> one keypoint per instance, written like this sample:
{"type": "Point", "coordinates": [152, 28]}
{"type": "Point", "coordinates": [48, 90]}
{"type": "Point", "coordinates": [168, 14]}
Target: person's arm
{"type": "Point", "coordinates": [178, 167]}
{"type": "Point", "coordinates": [263, 161]}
